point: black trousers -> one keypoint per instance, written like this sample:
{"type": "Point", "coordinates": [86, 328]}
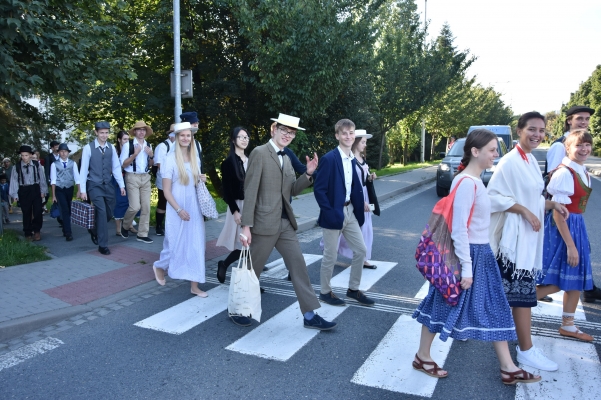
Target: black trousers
{"type": "Point", "coordinates": [64, 196]}
{"type": "Point", "coordinates": [103, 198]}
{"type": "Point", "coordinates": [30, 198]}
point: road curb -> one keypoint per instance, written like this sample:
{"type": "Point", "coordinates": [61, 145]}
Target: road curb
{"type": "Point", "coordinates": [594, 171]}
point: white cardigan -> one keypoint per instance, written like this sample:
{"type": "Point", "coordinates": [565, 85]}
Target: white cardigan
{"type": "Point", "coordinates": [516, 180]}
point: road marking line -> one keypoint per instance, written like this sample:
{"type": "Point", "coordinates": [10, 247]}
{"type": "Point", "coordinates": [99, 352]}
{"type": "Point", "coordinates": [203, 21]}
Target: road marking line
{"type": "Point", "coordinates": [281, 336]}
{"type": "Point", "coordinates": [278, 270]}
{"type": "Point", "coordinates": [389, 365]}
{"type": "Point", "coordinates": [185, 316]}
{"type": "Point", "coordinates": [423, 291]}
{"type": "Point", "coordinates": [368, 278]}
{"type": "Point", "coordinates": [15, 357]}
{"type": "Point", "coordinates": [578, 376]}
{"type": "Point", "coordinates": [555, 309]}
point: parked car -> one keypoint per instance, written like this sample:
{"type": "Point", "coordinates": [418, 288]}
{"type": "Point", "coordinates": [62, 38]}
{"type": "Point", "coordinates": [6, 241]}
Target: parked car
{"type": "Point", "coordinates": [503, 131]}
{"type": "Point", "coordinates": [448, 166]}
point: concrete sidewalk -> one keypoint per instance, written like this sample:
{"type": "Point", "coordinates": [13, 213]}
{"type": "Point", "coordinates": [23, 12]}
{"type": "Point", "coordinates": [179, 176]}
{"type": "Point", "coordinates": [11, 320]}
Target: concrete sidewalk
{"type": "Point", "coordinates": [78, 279]}
{"type": "Point", "coordinates": [593, 165]}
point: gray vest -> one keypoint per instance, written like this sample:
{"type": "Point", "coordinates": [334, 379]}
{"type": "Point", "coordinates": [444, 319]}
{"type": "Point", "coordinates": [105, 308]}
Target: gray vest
{"type": "Point", "coordinates": [101, 165]}
{"type": "Point", "coordinates": [64, 176]}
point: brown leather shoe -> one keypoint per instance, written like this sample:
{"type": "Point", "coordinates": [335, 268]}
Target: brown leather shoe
{"type": "Point", "coordinates": [37, 237]}
{"type": "Point", "coordinates": [577, 335]}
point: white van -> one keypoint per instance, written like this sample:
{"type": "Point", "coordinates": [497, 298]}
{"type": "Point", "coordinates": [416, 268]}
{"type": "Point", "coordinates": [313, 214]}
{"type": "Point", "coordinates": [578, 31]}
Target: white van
{"type": "Point", "coordinates": [502, 131]}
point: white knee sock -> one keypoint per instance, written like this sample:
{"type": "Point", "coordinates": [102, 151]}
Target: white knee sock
{"type": "Point", "coordinates": [567, 318]}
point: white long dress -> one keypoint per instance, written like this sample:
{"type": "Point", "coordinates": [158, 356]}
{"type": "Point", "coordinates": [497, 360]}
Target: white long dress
{"type": "Point", "coordinates": [183, 254]}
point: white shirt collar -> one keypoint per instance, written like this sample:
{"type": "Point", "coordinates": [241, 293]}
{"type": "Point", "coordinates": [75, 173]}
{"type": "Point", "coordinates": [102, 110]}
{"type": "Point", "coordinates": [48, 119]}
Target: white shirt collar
{"type": "Point", "coordinates": [343, 155]}
{"type": "Point", "coordinates": [276, 148]}
{"type": "Point", "coordinates": [97, 144]}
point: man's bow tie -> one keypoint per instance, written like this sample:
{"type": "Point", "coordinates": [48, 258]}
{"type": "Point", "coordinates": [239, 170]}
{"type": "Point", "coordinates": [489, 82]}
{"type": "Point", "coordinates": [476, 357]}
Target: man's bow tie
{"type": "Point", "coordinates": [281, 153]}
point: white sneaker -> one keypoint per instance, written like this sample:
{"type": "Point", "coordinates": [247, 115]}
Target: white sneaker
{"type": "Point", "coordinates": [535, 358]}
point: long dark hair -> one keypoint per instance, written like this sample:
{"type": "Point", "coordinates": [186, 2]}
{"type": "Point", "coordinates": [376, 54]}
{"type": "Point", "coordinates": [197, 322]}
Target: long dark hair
{"type": "Point", "coordinates": [238, 167]}
{"type": "Point", "coordinates": [119, 137]}
{"type": "Point", "coordinates": [477, 138]}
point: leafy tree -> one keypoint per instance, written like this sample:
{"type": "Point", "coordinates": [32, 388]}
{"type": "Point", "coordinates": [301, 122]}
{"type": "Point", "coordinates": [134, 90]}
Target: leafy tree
{"type": "Point", "coordinates": [589, 94]}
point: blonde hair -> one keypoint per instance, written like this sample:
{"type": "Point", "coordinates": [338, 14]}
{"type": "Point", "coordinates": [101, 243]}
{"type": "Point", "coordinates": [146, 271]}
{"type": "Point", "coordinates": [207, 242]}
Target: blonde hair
{"type": "Point", "coordinates": [578, 136]}
{"type": "Point", "coordinates": [179, 160]}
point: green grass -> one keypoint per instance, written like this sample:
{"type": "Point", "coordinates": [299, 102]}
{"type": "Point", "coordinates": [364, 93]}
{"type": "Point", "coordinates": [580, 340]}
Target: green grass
{"type": "Point", "coordinates": [14, 251]}
{"type": "Point", "coordinates": [390, 170]}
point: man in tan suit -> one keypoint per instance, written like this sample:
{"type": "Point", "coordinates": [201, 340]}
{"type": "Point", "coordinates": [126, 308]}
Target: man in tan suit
{"type": "Point", "coordinates": [268, 219]}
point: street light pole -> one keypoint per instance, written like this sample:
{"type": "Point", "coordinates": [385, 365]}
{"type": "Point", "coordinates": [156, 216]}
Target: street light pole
{"type": "Point", "coordinates": [422, 157]}
{"type": "Point", "coordinates": [177, 67]}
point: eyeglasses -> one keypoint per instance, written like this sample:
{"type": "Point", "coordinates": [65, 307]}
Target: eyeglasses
{"type": "Point", "coordinates": [286, 132]}
{"type": "Point", "coordinates": [243, 138]}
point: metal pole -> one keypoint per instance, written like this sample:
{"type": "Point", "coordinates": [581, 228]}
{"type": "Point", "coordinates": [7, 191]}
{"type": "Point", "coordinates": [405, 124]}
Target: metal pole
{"type": "Point", "coordinates": [422, 157]}
{"type": "Point", "coordinates": [177, 67]}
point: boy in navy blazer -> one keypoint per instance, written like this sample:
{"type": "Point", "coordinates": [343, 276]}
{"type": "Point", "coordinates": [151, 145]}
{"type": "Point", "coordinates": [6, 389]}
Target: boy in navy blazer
{"type": "Point", "coordinates": [339, 194]}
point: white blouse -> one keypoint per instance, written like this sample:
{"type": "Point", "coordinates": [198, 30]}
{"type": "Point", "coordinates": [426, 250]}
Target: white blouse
{"type": "Point", "coordinates": [561, 185]}
{"type": "Point", "coordinates": [470, 192]}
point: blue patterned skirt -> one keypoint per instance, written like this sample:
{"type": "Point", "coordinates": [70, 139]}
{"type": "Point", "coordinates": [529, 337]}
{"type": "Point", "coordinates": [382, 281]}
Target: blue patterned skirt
{"type": "Point", "coordinates": [482, 313]}
{"type": "Point", "coordinates": [556, 269]}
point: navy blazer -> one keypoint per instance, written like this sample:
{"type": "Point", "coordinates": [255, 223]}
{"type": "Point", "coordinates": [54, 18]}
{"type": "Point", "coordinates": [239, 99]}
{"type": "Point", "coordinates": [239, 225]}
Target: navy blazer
{"type": "Point", "coordinates": [330, 192]}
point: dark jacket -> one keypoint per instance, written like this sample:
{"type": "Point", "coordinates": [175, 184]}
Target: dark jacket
{"type": "Point", "coordinates": [233, 187]}
{"type": "Point", "coordinates": [330, 192]}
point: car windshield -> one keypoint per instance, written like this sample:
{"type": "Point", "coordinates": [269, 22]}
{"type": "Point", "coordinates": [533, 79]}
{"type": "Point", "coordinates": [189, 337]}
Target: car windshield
{"type": "Point", "coordinates": [457, 149]}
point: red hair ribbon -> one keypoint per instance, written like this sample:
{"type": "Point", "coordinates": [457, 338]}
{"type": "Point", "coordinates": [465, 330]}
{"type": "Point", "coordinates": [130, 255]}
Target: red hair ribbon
{"type": "Point", "coordinates": [461, 167]}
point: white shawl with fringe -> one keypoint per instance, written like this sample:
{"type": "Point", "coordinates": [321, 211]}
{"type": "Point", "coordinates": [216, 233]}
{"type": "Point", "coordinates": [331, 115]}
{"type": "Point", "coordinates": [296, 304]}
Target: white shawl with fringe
{"type": "Point", "coordinates": [516, 180]}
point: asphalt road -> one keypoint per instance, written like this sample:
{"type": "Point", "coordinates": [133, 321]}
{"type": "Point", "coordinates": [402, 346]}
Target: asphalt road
{"type": "Point", "coordinates": [110, 357]}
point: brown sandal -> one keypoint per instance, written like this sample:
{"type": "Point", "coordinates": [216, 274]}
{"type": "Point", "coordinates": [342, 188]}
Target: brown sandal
{"type": "Point", "coordinates": [519, 376]}
{"type": "Point", "coordinates": [433, 372]}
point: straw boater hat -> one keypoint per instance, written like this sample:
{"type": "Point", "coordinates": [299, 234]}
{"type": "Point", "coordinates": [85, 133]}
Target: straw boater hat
{"type": "Point", "coordinates": [363, 133]}
{"type": "Point", "coordinates": [141, 124]}
{"type": "Point", "coordinates": [289, 121]}
{"type": "Point", "coordinates": [170, 131]}
{"type": "Point", "coordinates": [184, 126]}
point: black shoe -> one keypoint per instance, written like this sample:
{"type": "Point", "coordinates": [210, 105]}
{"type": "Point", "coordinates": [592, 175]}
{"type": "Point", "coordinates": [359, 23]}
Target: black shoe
{"type": "Point", "coordinates": [589, 296]}
{"type": "Point", "coordinates": [221, 269]}
{"type": "Point", "coordinates": [547, 299]}
{"type": "Point", "coordinates": [69, 238]}
{"type": "Point", "coordinates": [160, 231]}
{"type": "Point", "coordinates": [331, 299]}
{"type": "Point", "coordinates": [104, 250]}
{"type": "Point", "coordinates": [144, 239]}
{"type": "Point", "coordinates": [265, 269]}
{"type": "Point", "coordinates": [94, 238]}
{"type": "Point", "coordinates": [318, 323]}
{"type": "Point", "coordinates": [360, 297]}
{"type": "Point", "coordinates": [124, 233]}
{"type": "Point", "coordinates": [262, 290]}
{"type": "Point", "coordinates": [240, 321]}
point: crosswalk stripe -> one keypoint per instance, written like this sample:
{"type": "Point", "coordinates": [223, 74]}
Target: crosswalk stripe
{"type": "Point", "coordinates": [555, 308]}
{"type": "Point", "coordinates": [368, 278]}
{"type": "Point", "coordinates": [423, 291]}
{"type": "Point", "coordinates": [578, 376]}
{"type": "Point", "coordinates": [26, 352]}
{"type": "Point", "coordinates": [278, 270]}
{"type": "Point", "coordinates": [389, 365]}
{"type": "Point", "coordinates": [185, 316]}
{"type": "Point", "coordinates": [280, 337]}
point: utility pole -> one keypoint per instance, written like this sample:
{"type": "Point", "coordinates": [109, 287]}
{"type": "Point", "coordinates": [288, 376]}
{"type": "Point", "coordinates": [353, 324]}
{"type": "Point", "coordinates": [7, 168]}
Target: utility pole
{"type": "Point", "coordinates": [422, 157]}
{"type": "Point", "coordinates": [177, 67]}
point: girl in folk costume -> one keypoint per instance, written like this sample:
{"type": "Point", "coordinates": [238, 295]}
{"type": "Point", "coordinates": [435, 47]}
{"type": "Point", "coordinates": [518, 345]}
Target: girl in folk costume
{"type": "Point", "coordinates": [482, 312]}
{"type": "Point", "coordinates": [516, 237]}
{"type": "Point", "coordinates": [183, 254]}
{"type": "Point", "coordinates": [566, 254]}
{"type": "Point", "coordinates": [233, 170]}
{"type": "Point", "coordinates": [362, 170]}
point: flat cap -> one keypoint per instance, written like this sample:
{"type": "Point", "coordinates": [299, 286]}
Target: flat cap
{"type": "Point", "coordinates": [102, 125]}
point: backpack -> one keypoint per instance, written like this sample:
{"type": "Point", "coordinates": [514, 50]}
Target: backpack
{"type": "Point", "coordinates": [435, 253]}
{"type": "Point", "coordinates": [560, 140]}
{"type": "Point", "coordinates": [548, 177]}
{"type": "Point", "coordinates": [36, 176]}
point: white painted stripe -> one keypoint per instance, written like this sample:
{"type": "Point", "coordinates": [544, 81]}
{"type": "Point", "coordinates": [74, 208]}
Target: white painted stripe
{"type": "Point", "coordinates": [578, 376]}
{"type": "Point", "coordinates": [278, 270]}
{"type": "Point", "coordinates": [185, 316]}
{"type": "Point", "coordinates": [555, 309]}
{"type": "Point", "coordinates": [368, 278]}
{"type": "Point", "coordinates": [24, 353]}
{"type": "Point", "coordinates": [280, 337]}
{"type": "Point", "coordinates": [389, 365]}
{"type": "Point", "coordinates": [423, 291]}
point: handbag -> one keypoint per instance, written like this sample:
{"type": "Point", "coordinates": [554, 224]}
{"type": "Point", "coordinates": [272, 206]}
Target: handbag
{"type": "Point", "coordinates": [206, 202]}
{"type": "Point", "coordinates": [435, 253]}
{"type": "Point", "coordinates": [55, 211]}
{"type": "Point", "coordinates": [244, 297]}
{"type": "Point", "coordinates": [82, 214]}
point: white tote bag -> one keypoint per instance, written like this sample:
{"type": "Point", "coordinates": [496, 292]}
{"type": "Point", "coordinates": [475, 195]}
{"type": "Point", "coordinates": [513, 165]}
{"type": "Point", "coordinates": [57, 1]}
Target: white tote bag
{"type": "Point", "coordinates": [206, 202]}
{"type": "Point", "coordinates": [245, 293]}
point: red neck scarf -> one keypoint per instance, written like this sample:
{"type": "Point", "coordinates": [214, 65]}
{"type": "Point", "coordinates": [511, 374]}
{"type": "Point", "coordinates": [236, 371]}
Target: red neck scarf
{"type": "Point", "coordinates": [522, 154]}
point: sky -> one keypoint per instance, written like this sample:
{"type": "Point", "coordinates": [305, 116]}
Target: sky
{"type": "Point", "coordinates": [534, 52]}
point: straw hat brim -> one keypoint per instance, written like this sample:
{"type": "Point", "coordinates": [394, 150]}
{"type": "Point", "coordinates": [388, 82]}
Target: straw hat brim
{"type": "Point", "coordinates": [286, 124]}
